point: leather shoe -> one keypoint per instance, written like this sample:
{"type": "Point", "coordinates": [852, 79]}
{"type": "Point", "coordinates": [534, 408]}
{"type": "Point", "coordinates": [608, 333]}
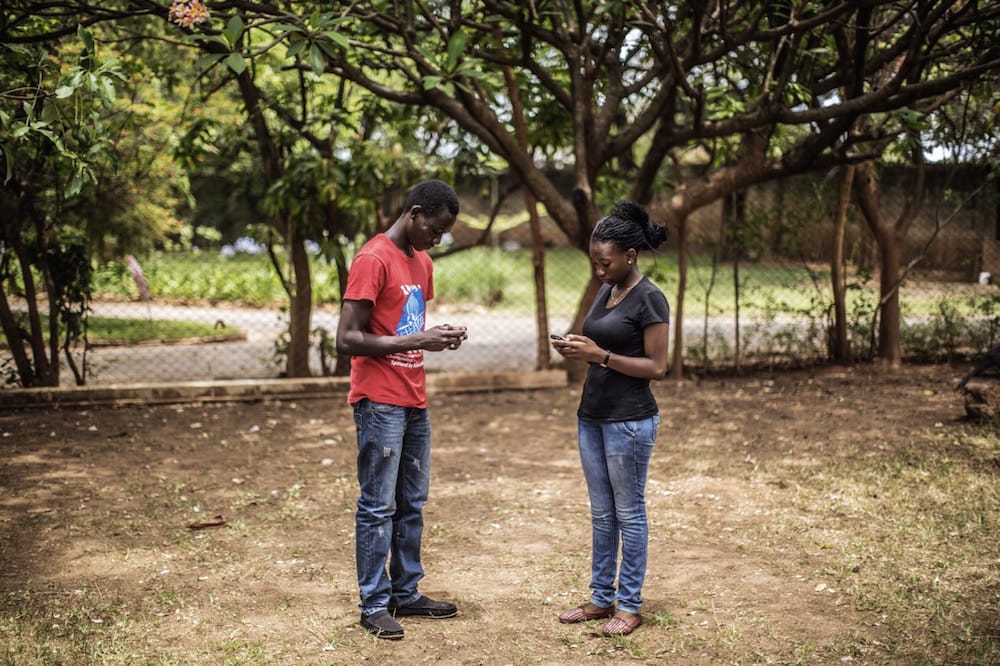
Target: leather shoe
{"type": "Point", "coordinates": [424, 607]}
{"type": "Point", "coordinates": [382, 625]}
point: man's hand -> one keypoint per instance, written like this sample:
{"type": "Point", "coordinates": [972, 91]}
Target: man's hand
{"type": "Point", "coordinates": [444, 336]}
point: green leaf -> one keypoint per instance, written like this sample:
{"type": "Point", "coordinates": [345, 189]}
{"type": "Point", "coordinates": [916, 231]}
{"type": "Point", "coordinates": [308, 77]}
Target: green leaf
{"type": "Point", "coordinates": [233, 31]}
{"type": "Point", "coordinates": [50, 135]}
{"type": "Point", "coordinates": [456, 45]}
{"type": "Point", "coordinates": [235, 62]}
{"type": "Point", "coordinates": [8, 164]}
{"type": "Point", "coordinates": [62, 92]}
{"type": "Point", "coordinates": [207, 61]}
{"type": "Point", "coordinates": [338, 38]}
{"type": "Point", "coordinates": [473, 70]}
{"type": "Point", "coordinates": [86, 38]}
{"type": "Point", "coordinates": [75, 185]}
{"type": "Point", "coordinates": [296, 47]}
{"type": "Point", "coordinates": [431, 82]}
{"type": "Point", "coordinates": [212, 39]}
{"type": "Point", "coordinates": [316, 59]}
{"type": "Point", "coordinates": [107, 89]}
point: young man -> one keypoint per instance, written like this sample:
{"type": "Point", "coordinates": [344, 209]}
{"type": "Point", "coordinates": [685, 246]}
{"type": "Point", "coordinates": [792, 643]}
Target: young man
{"type": "Point", "coordinates": [382, 329]}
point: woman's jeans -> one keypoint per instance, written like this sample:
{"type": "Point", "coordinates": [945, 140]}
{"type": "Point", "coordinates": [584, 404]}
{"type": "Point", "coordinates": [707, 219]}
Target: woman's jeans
{"type": "Point", "coordinates": [394, 474]}
{"type": "Point", "coordinates": [615, 458]}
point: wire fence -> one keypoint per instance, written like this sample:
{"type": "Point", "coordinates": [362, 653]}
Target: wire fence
{"type": "Point", "coordinates": [758, 291]}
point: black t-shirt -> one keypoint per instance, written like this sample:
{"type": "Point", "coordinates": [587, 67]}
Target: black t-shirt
{"type": "Point", "coordinates": [610, 396]}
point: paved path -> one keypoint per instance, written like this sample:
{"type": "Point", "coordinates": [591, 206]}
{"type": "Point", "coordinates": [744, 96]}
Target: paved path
{"type": "Point", "coordinates": [497, 342]}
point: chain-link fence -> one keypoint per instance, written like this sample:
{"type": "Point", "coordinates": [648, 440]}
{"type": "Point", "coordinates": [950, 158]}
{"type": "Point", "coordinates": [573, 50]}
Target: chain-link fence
{"type": "Point", "coordinates": [758, 287]}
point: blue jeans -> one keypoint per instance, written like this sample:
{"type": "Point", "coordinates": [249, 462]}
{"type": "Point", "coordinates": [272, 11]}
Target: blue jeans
{"type": "Point", "coordinates": [615, 459]}
{"type": "Point", "coordinates": [394, 446]}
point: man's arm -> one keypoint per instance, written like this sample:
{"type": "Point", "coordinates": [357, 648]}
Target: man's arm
{"type": "Point", "coordinates": [354, 338]}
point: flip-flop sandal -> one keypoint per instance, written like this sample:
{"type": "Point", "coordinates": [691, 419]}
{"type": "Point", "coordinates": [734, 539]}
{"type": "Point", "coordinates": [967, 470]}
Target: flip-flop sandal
{"type": "Point", "coordinates": [620, 626]}
{"type": "Point", "coordinates": [584, 613]}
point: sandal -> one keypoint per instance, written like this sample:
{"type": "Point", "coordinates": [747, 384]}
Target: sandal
{"type": "Point", "coordinates": [587, 611]}
{"type": "Point", "coordinates": [621, 624]}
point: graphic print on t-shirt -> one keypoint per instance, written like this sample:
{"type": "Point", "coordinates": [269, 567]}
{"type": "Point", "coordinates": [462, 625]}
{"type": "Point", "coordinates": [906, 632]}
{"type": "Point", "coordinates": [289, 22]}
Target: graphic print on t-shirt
{"type": "Point", "coordinates": [411, 321]}
{"type": "Point", "coordinates": [412, 318]}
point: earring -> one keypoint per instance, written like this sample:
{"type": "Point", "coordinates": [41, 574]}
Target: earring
{"type": "Point", "coordinates": [629, 262]}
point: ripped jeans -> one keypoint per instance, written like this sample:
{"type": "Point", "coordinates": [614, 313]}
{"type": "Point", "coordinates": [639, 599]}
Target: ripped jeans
{"type": "Point", "coordinates": [394, 445]}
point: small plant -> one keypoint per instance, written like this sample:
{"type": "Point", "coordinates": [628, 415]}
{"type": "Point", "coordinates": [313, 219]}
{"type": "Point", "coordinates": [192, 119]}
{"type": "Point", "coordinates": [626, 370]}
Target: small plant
{"type": "Point", "coordinates": [327, 346]}
{"type": "Point", "coordinates": [471, 277]}
{"type": "Point", "coordinates": [322, 338]}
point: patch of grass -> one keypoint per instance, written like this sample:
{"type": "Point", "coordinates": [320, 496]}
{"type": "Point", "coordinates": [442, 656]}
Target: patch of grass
{"type": "Point", "coordinates": [130, 331]}
{"type": "Point", "coordinates": [119, 331]}
{"type": "Point", "coordinates": [908, 536]}
{"type": "Point", "coordinates": [62, 626]}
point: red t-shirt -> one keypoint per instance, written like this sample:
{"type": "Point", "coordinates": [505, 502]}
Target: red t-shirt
{"type": "Point", "coordinates": [399, 287]}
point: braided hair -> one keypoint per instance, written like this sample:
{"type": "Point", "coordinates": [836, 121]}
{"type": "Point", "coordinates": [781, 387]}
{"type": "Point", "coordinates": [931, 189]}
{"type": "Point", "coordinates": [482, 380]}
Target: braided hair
{"type": "Point", "coordinates": [628, 227]}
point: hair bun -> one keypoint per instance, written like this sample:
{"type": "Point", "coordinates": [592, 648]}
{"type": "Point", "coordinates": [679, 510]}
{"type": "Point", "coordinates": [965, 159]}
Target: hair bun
{"type": "Point", "coordinates": [656, 234]}
{"type": "Point", "coordinates": [628, 226]}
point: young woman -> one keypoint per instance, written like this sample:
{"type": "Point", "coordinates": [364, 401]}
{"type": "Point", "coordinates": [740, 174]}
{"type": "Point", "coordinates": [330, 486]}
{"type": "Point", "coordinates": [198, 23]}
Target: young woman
{"type": "Point", "coordinates": [625, 341]}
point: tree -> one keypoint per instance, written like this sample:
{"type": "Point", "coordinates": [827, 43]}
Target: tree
{"type": "Point", "coordinates": [958, 121]}
{"type": "Point", "coordinates": [56, 126]}
{"type": "Point", "coordinates": [636, 91]}
{"type": "Point", "coordinates": [764, 89]}
{"type": "Point", "coordinates": [303, 124]}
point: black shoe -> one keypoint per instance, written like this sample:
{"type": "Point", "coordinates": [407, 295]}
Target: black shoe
{"type": "Point", "coordinates": [382, 625]}
{"type": "Point", "coordinates": [424, 607]}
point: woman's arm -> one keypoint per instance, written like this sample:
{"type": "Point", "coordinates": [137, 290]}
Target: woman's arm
{"type": "Point", "coordinates": [653, 365]}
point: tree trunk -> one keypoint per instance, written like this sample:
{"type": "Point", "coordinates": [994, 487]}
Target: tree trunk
{"type": "Point", "coordinates": [12, 332]}
{"type": "Point", "coordinates": [677, 365]}
{"type": "Point", "coordinates": [890, 351]}
{"type": "Point", "coordinates": [543, 349]}
{"type": "Point", "coordinates": [42, 375]}
{"type": "Point", "coordinates": [840, 346]}
{"type": "Point", "coordinates": [342, 367]}
{"type": "Point", "coordinates": [300, 307]}
{"type": "Point", "coordinates": [890, 346]}
{"type": "Point", "coordinates": [577, 370]}
{"type": "Point", "coordinates": [300, 291]}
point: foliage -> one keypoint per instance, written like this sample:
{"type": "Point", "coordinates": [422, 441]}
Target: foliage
{"type": "Point", "coordinates": [481, 277]}
{"type": "Point", "coordinates": [55, 128]}
{"type": "Point", "coordinates": [343, 104]}
{"type": "Point", "coordinates": [209, 277]}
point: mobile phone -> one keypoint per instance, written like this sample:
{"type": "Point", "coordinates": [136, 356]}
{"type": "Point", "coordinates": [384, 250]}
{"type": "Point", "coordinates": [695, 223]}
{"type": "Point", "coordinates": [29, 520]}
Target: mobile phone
{"type": "Point", "coordinates": [557, 337]}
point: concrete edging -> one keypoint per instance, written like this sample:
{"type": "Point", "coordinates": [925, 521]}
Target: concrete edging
{"type": "Point", "coordinates": [249, 390]}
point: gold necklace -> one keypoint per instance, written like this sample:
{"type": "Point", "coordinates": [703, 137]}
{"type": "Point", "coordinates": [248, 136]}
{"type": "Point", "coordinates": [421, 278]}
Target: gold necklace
{"type": "Point", "coordinates": [612, 302]}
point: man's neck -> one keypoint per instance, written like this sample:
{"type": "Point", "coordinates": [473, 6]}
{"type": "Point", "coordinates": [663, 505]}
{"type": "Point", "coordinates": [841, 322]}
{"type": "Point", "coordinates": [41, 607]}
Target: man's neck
{"type": "Point", "coordinates": [397, 234]}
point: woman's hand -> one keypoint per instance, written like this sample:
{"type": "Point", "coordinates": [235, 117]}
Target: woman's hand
{"type": "Point", "coordinates": [579, 348]}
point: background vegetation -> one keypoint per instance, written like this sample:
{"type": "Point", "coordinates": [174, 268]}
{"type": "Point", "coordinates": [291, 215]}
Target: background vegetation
{"type": "Point", "coordinates": [140, 127]}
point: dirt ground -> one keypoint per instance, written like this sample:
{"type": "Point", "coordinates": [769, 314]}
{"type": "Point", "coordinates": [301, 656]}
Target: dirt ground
{"type": "Point", "coordinates": [749, 550]}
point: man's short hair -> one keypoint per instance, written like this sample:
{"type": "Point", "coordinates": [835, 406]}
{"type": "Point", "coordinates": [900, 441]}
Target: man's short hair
{"type": "Point", "coordinates": [432, 196]}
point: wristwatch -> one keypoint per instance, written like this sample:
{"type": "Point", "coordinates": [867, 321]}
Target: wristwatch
{"type": "Point", "coordinates": [607, 357]}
